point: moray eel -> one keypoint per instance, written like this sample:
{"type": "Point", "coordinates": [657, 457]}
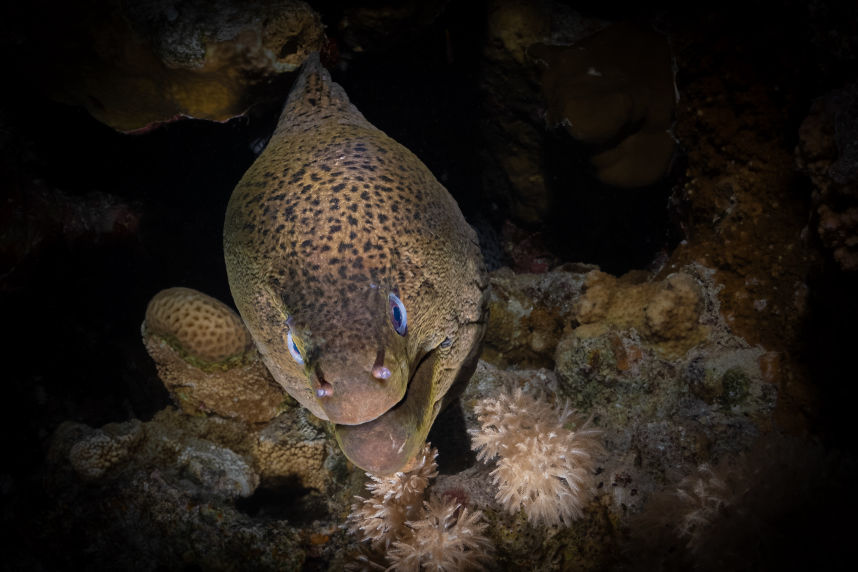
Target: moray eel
{"type": "Point", "coordinates": [356, 274]}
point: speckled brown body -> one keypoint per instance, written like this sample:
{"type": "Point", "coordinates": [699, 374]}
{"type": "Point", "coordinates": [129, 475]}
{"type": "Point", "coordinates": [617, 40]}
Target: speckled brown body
{"type": "Point", "coordinates": [331, 218]}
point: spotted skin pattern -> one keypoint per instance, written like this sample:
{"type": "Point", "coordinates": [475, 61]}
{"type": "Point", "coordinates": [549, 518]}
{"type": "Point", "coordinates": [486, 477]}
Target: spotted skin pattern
{"type": "Point", "coordinates": [332, 218]}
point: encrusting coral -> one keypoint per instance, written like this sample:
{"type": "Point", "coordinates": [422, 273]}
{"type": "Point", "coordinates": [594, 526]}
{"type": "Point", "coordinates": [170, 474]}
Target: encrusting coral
{"type": "Point", "coordinates": [99, 450]}
{"type": "Point", "coordinates": [206, 358]}
{"type": "Point", "coordinates": [545, 468]}
{"type": "Point", "coordinates": [416, 534]}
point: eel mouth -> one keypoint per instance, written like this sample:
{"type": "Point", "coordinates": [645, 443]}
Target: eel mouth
{"type": "Point", "coordinates": [385, 444]}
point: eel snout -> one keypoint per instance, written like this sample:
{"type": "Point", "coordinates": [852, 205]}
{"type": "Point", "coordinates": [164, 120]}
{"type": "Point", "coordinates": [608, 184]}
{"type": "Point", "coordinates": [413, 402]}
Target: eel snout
{"type": "Point", "coordinates": [351, 395]}
{"type": "Point", "coordinates": [385, 444]}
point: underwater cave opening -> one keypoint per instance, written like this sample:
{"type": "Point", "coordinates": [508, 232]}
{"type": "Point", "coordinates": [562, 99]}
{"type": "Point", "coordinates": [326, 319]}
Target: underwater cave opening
{"type": "Point", "coordinates": [285, 498]}
{"type": "Point", "coordinates": [617, 229]}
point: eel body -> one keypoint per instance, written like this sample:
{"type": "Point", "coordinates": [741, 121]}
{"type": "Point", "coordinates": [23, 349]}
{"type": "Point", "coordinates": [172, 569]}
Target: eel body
{"type": "Point", "coordinates": [356, 274]}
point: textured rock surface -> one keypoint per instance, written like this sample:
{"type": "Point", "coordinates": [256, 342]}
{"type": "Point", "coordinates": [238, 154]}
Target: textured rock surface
{"type": "Point", "coordinates": [609, 86]}
{"type": "Point", "coordinates": [527, 314]}
{"type": "Point", "coordinates": [181, 488]}
{"type": "Point", "coordinates": [156, 61]}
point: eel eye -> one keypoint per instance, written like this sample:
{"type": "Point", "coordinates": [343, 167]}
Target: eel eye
{"type": "Point", "coordinates": [293, 349]}
{"type": "Point", "coordinates": [398, 316]}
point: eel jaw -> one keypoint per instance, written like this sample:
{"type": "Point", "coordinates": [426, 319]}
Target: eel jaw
{"type": "Point", "coordinates": [386, 444]}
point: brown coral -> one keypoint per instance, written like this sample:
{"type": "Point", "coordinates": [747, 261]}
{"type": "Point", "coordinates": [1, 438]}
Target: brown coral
{"type": "Point", "coordinates": [206, 328]}
{"type": "Point", "coordinates": [545, 468]}
{"type": "Point", "coordinates": [206, 359]}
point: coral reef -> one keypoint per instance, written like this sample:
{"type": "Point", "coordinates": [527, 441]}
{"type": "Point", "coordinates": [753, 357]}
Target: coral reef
{"type": "Point", "coordinates": [544, 468]}
{"type": "Point", "coordinates": [709, 350]}
{"type": "Point", "coordinates": [156, 61]}
{"type": "Point", "coordinates": [206, 359]}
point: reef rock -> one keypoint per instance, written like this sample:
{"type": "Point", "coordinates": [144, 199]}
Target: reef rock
{"type": "Point", "coordinates": [184, 488]}
{"type": "Point", "coordinates": [141, 64]}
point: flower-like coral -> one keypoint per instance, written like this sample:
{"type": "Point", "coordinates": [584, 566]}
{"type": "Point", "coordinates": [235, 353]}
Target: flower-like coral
{"type": "Point", "coordinates": [414, 534]}
{"type": "Point", "coordinates": [395, 499]}
{"type": "Point", "coordinates": [544, 467]}
{"type": "Point", "coordinates": [448, 538]}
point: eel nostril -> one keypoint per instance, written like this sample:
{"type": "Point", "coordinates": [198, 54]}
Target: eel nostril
{"type": "Point", "coordinates": [378, 369]}
{"type": "Point", "coordinates": [380, 372]}
{"type": "Point", "coordinates": [325, 389]}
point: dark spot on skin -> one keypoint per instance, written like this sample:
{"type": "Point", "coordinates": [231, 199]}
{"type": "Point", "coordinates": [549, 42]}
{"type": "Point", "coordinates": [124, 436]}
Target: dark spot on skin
{"type": "Point", "coordinates": [352, 220]}
{"type": "Point", "coordinates": [364, 196]}
{"type": "Point", "coordinates": [334, 228]}
{"type": "Point", "coordinates": [306, 243]}
{"type": "Point", "coordinates": [382, 218]}
{"type": "Point", "coordinates": [338, 188]}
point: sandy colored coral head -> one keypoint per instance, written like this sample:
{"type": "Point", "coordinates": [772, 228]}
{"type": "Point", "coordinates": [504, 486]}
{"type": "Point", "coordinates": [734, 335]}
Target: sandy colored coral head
{"type": "Point", "coordinates": [205, 328]}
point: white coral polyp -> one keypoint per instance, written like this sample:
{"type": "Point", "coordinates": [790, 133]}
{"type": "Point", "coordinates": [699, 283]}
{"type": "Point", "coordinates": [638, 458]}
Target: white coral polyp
{"type": "Point", "coordinates": [448, 538]}
{"type": "Point", "coordinates": [395, 499]}
{"type": "Point", "coordinates": [544, 468]}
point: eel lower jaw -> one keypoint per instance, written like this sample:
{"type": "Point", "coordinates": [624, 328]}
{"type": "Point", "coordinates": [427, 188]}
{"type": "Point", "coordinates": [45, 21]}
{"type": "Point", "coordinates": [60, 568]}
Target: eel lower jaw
{"type": "Point", "coordinates": [387, 443]}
